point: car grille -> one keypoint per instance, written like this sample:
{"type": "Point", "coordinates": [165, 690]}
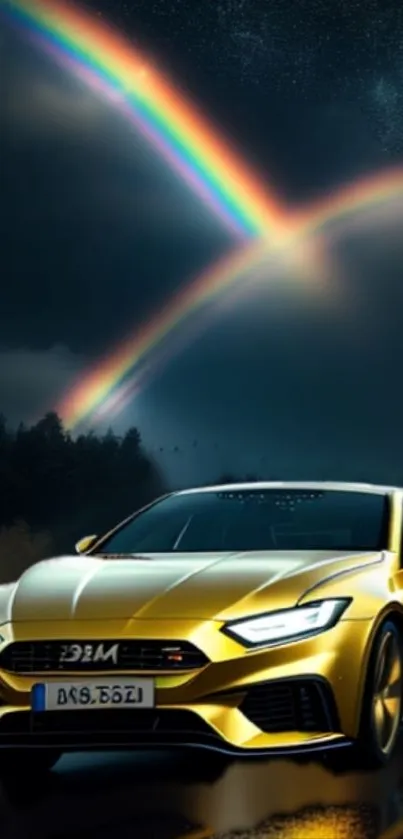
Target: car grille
{"type": "Point", "coordinates": [135, 655]}
{"type": "Point", "coordinates": [291, 705]}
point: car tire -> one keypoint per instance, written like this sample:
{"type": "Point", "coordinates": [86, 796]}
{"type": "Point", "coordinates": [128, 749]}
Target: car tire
{"type": "Point", "coordinates": [382, 705]}
{"type": "Point", "coordinates": [28, 762]}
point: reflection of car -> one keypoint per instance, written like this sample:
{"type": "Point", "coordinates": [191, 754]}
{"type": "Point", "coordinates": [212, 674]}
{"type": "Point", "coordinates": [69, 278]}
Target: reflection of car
{"type": "Point", "coordinates": [246, 618]}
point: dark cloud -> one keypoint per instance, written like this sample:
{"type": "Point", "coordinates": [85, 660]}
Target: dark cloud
{"type": "Point", "coordinates": [30, 380]}
{"type": "Point", "coordinates": [98, 234]}
{"type": "Point", "coordinates": [98, 229]}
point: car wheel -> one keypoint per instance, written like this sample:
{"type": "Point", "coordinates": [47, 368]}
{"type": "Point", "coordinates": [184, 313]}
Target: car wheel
{"type": "Point", "coordinates": [383, 697]}
{"type": "Point", "coordinates": [32, 762]}
{"type": "Point", "coordinates": [382, 705]}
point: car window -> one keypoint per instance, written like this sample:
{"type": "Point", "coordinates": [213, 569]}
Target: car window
{"type": "Point", "coordinates": [255, 520]}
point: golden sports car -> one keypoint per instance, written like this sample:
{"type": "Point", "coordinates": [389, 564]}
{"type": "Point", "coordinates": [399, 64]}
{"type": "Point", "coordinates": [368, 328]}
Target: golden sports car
{"type": "Point", "coordinates": [250, 619]}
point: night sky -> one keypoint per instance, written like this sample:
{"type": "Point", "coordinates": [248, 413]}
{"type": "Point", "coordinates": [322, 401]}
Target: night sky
{"type": "Point", "coordinates": [97, 233]}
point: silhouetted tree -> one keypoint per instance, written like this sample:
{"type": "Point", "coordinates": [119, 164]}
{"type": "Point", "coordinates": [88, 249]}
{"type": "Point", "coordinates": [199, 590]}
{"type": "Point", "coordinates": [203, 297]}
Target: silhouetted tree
{"type": "Point", "coordinates": [71, 487]}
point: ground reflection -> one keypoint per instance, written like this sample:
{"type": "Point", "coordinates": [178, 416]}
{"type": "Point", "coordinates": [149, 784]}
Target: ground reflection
{"type": "Point", "coordinates": [158, 796]}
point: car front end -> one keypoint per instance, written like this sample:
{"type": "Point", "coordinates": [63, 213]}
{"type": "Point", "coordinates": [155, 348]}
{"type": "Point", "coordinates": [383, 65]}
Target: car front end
{"type": "Point", "coordinates": [195, 684]}
{"type": "Point", "coordinates": [238, 619]}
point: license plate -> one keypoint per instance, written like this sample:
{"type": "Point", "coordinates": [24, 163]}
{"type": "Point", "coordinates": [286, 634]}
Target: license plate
{"type": "Point", "coordinates": [92, 694]}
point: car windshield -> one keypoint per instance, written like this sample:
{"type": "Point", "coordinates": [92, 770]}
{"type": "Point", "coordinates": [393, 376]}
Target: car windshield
{"type": "Point", "coordinates": [256, 520]}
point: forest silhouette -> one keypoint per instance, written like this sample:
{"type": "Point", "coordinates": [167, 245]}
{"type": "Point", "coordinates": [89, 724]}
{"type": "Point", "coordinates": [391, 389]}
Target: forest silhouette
{"type": "Point", "coordinates": [54, 488]}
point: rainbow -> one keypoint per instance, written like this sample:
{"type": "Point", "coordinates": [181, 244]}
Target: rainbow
{"type": "Point", "coordinates": [99, 383]}
{"type": "Point", "coordinates": [111, 65]}
{"type": "Point", "coordinates": [96, 386]}
{"type": "Point", "coordinates": [107, 62]}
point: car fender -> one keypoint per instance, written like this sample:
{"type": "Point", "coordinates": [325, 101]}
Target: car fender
{"type": "Point", "coordinates": [369, 585]}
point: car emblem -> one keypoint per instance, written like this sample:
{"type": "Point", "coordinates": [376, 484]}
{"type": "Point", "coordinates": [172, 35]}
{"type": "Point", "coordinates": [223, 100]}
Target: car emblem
{"type": "Point", "coordinates": [88, 653]}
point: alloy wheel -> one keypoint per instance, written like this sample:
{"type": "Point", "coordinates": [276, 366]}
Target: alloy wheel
{"type": "Point", "coordinates": [387, 693]}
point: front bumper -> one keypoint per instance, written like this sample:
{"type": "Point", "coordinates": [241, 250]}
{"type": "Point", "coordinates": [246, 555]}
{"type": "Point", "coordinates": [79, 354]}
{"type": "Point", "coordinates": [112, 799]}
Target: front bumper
{"type": "Point", "coordinates": [111, 730]}
{"type": "Point", "coordinates": [295, 698]}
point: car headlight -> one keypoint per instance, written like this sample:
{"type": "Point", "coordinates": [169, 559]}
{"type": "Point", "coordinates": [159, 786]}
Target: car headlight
{"type": "Point", "coordinates": [288, 624]}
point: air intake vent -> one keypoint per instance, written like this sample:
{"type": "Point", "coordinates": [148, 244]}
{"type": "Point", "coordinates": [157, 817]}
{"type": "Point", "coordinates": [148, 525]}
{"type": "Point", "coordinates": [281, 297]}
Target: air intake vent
{"type": "Point", "coordinates": [289, 705]}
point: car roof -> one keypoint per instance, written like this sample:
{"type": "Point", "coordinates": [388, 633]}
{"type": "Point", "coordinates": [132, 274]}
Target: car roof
{"type": "Point", "coordinates": [340, 486]}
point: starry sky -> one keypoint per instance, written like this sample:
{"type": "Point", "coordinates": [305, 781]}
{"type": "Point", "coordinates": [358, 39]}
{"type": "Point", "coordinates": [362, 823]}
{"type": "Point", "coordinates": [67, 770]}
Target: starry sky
{"type": "Point", "coordinates": [97, 233]}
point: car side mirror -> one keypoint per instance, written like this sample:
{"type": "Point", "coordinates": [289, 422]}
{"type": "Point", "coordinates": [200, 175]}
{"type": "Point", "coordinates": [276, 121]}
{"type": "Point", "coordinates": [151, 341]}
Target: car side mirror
{"type": "Point", "coordinates": [83, 545]}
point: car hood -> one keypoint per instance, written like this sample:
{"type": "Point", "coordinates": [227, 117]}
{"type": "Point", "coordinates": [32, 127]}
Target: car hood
{"type": "Point", "coordinates": [206, 586]}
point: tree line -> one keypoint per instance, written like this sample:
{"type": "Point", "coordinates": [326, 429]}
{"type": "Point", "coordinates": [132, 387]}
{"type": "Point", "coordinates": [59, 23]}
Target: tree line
{"type": "Point", "coordinates": [50, 482]}
{"type": "Point", "coordinates": [55, 489]}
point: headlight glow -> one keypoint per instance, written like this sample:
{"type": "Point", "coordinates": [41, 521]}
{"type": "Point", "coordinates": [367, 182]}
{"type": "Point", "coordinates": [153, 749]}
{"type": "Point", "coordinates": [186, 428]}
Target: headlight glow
{"type": "Point", "coordinates": [288, 624]}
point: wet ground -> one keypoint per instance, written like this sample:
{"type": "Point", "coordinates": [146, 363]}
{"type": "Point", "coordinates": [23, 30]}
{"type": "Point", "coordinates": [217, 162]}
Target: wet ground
{"type": "Point", "coordinates": [159, 796]}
